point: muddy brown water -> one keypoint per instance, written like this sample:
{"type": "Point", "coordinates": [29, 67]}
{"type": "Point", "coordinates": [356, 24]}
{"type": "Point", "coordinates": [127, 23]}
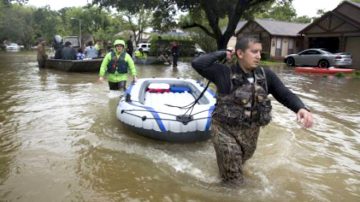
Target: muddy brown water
{"type": "Point", "coordinates": [60, 141]}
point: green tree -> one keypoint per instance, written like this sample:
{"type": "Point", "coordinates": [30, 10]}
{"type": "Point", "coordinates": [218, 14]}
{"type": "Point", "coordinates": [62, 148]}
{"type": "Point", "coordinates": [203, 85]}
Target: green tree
{"type": "Point", "coordinates": [302, 19]}
{"type": "Point", "coordinates": [16, 24]}
{"type": "Point", "coordinates": [137, 22]}
{"type": "Point", "coordinates": [282, 11]}
{"type": "Point", "coordinates": [45, 20]}
{"type": "Point", "coordinates": [206, 42]}
{"type": "Point", "coordinates": [214, 11]}
{"type": "Point", "coordinates": [92, 19]}
{"type": "Point", "coordinates": [25, 24]}
{"type": "Point", "coordinates": [95, 22]}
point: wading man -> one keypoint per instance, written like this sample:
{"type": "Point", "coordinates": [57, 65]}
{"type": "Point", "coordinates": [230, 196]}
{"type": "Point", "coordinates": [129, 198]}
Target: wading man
{"type": "Point", "coordinates": [243, 105]}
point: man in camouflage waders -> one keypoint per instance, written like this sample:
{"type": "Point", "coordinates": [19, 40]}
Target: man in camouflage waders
{"type": "Point", "coordinates": [243, 105]}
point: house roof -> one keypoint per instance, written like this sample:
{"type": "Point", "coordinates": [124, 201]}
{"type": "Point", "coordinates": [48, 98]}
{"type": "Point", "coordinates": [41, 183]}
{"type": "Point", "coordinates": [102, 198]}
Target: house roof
{"type": "Point", "coordinates": [274, 27]}
{"type": "Point", "coordinates": [349, 9]}
{"type": "Point", "coordinates": [240, 25]}
{"type": "Point", "coordinates": [281, 28]}
{"type": "Point", "coordinates": [352, 18]}
{"type": "Point", "coordinates": [350, 2]}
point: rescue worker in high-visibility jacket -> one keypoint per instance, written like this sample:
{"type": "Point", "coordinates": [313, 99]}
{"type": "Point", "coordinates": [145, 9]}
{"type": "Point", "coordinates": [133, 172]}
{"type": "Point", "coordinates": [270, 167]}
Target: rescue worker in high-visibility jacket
{"type": "Point", "coordinates": [140, 54]}
{"type": "Point", "coordinates": [116, 65]}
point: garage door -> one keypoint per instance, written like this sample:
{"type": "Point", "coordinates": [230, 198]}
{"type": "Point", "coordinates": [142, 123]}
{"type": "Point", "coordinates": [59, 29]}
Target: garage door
{"type": "Point", "coordinates": [352, 46]}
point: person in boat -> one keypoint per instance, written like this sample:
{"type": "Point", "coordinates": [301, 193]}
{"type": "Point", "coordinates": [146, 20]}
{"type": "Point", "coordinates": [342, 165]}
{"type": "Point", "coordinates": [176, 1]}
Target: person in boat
{"type": "Point", "coordinates": [58, 46]}
{"type": "Point", "coordinates": [80, 54]}
{"type": "Point", "coordinates": [90, 51]}
{"type": "Point", "coordinates": [99, 47]}
{"type": "Point", "coordinates": [41, 53]}
{"type": "Point", "coordinates": [68, 52]}
{"type": "Point", "coordinates": [243, 105]}
{"type": "Point", "coordinates": [117, 64]}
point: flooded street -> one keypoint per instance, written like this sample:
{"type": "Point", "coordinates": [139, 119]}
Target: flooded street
{"type": "Point", "coordinates": [60, 140]}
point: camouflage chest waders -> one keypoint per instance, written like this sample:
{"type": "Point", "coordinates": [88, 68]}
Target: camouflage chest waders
{"type": "Point", "coordinates": [236, 124]}
{"type": "Point", "coordinates": [233, 146]}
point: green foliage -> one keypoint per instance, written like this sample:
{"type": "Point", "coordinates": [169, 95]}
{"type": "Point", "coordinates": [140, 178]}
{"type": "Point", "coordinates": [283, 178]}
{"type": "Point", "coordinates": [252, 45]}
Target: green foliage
{"type": "Point", "coordinates": [137, 23]}
{"type": "Point", "coordinates": [283, 11]}
{"type": "Point", "coordinates": [303, 19]}
{"type": "Point", "coordinates": [206, 42]}
{"type": "Point", "coordinates": [357, 74]}
{"type": "Point", "coordinates": [45, 19]}
{"type": "Point", "coordinates": [15, 24]}
{"type": "Point", "coordinates": [339, 75]}
{"type": "Point", "coordinates": [215, 11]}
{"type": "Point", "coordinates": [25, 24]}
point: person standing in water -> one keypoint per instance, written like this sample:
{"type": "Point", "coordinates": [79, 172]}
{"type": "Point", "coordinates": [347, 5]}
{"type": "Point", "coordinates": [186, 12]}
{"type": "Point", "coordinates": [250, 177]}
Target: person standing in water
{"type": "Point", "coordinates": [175, 53]}
{"type": "Point", "coordinates": [41, 53]}
{"type": "Point", "coordinates": [116, 65]}
{"type": "Point", "coordinates": [243, 105]}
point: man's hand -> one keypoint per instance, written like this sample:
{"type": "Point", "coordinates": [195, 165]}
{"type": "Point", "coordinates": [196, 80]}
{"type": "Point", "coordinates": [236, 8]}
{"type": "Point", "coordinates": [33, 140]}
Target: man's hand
{"type": "Point", "coordinates": [101, 79]}
{"type": "Point", "coordinates": [135, 79]}
{"type": "Point", "coordinates": [305, 118]}
{"type": "Point", "coordinates": [229, 53]}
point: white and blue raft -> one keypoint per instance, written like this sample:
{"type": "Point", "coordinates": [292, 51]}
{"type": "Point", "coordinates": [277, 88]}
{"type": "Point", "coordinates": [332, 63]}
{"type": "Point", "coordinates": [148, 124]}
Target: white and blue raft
{"type": "Point", "coordinates": [168, 109]}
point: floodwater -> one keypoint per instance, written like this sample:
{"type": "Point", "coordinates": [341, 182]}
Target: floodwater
{"type": "Point", "coordinates": [60, 141]}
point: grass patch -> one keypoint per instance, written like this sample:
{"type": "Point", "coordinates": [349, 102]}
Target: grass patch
{"type": "Point", "coordinates": [356, 74]}
{"type": "Point", "coordinates": [269, 62]}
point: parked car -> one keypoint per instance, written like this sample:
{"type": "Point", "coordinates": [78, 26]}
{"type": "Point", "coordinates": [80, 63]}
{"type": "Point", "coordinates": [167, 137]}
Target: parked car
{"type": "Point", "coordinates": [317, 57]}
{"type": "Point", "coordinates": [145, 47]}
{"type": "Point", "coordinates": [199, 51]}
{"type": "Point", "coordinates": [13, 47]}
{"type": "Point", "coordinates": [194, 51]}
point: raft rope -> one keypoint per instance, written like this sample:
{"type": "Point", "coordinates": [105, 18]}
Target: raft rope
{"type": "Point", "coordinates": [192, 105]}
{"type": "Point", "coordinates": [144, 117]}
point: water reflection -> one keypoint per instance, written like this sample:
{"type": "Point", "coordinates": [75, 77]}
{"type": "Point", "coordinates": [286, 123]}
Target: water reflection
{"type": "Point", "coordinates": [60, 141]}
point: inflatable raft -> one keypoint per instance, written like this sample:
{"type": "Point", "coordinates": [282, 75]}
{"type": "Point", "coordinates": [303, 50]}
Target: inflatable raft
{"type": "Point", "coordinates": [168, 109]}
{"type": "Point", "coordinates": [317, 70]}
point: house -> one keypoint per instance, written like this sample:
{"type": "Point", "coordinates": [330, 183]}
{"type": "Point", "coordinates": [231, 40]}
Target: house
{"type": "Point", "coordinates": [278, 38]}
{"type": "Point", "coordinates": [337, 31]}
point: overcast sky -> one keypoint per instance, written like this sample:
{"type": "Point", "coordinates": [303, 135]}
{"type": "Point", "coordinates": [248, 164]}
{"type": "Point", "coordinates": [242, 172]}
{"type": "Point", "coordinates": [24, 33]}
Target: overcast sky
{"type": "Point", "coordinates": [302, 7]}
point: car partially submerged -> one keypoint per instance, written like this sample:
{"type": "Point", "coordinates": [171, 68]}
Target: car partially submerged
{"type": "Point", "coordinates": [317, 57]}
{"type": "Point", "coordinates": [13, 47]}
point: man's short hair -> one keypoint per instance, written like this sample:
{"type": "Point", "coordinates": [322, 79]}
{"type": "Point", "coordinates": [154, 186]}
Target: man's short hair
{"type": "Point", "coordinates": [243, 42]}
{"type": "Point", "coordinates": [68, 43]}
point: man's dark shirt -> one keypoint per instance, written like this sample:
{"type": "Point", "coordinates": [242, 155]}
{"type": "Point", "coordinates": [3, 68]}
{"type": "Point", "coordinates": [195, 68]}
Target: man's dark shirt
{"type": "Point", "coordinates": [68, 53]}
{"type": "Point", "coordinates": [175, 50]}
{"type": "Point", "coordinates": [58, 50]}
{"type": "Point", "coordinates": [220, 75]}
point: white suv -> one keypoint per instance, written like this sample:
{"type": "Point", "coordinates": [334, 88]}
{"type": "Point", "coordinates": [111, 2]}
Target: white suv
{"type": "Point", "coordinates": [145, 47]}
